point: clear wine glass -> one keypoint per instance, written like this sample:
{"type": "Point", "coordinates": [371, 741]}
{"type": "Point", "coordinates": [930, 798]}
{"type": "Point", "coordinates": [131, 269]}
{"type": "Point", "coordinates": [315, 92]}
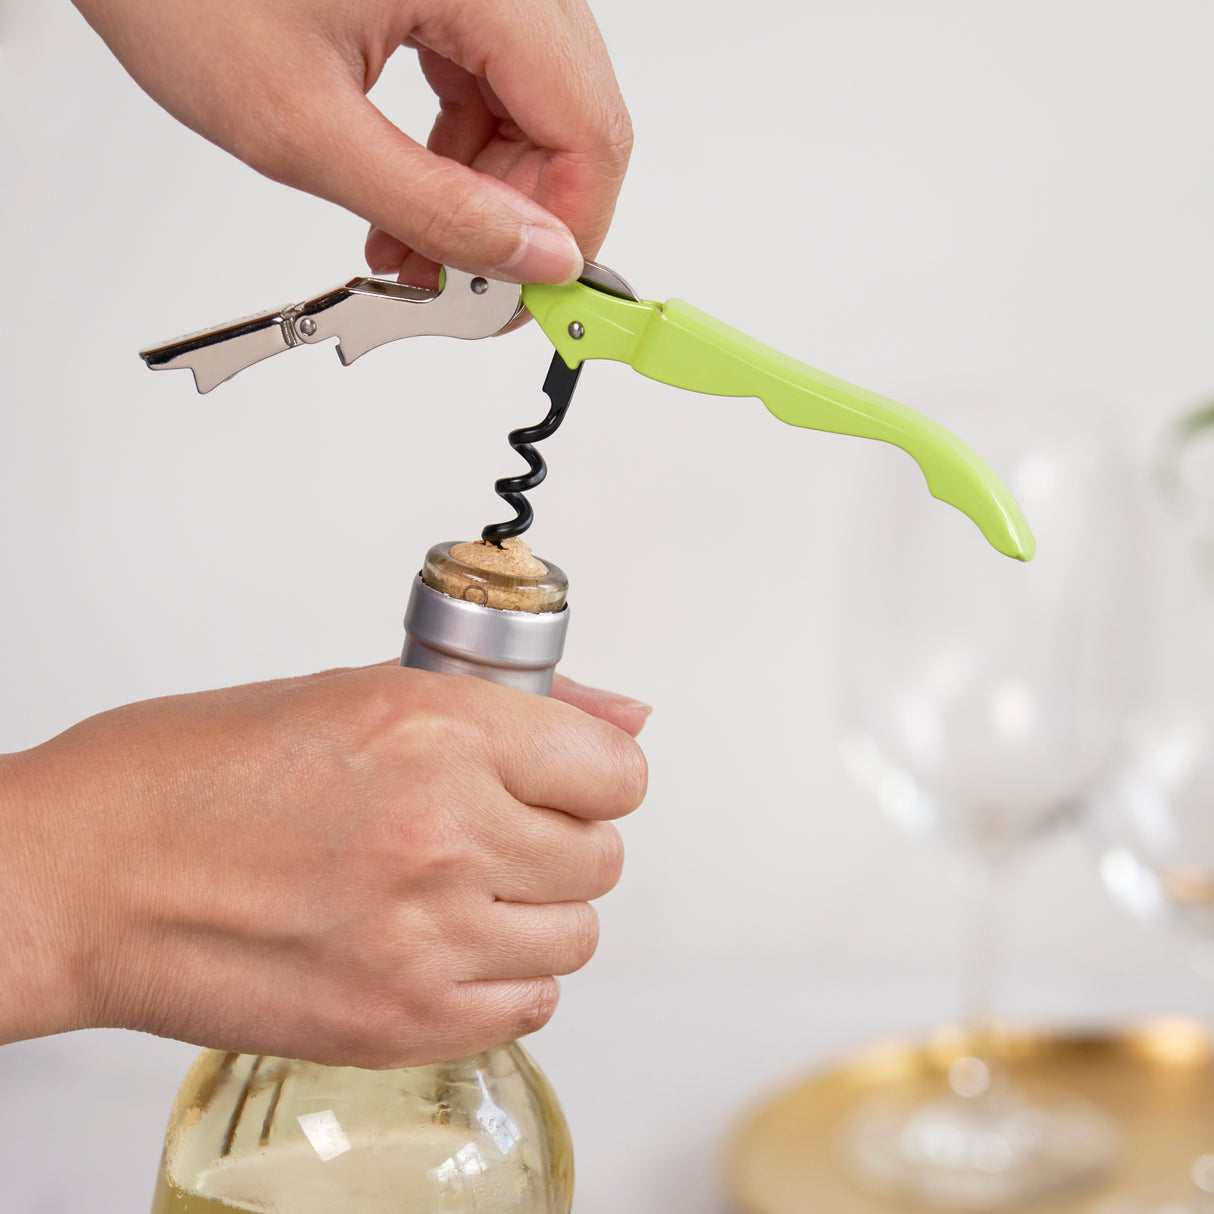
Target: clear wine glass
{"type": "Point", "coordinates": [980, 697]}
{"type": "Point", "coordinates": [1152, 815]}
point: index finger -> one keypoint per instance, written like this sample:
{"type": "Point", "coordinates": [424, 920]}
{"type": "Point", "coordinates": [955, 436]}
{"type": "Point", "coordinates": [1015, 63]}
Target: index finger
{"type": "Point", "coordinates": [543, 69]}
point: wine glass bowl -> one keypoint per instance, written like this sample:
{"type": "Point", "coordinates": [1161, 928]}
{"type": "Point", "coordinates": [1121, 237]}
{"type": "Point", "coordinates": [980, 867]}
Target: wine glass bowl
{"type": "Point", "coordinates": [981, 696]}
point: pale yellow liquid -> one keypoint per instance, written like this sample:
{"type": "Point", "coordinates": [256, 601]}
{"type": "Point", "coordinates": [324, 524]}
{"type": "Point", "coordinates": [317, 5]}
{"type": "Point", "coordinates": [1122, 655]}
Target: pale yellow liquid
{"type": "Point", "coordinates": [481, 1135]}
{"type": "Point", "coordinates": [390, 1173]}
{"type": "Point", "coordinates": [171, 1200]}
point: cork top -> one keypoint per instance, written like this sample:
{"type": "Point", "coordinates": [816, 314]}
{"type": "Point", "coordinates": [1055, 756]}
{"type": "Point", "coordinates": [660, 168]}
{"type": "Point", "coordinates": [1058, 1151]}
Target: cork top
{"type": "Point", "coordinates": [509, 578]}
{"type": "Point", "coordinates": [514, 558]}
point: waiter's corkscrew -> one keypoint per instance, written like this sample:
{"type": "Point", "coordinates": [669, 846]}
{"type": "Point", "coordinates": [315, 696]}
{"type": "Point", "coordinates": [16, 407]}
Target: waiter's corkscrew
{"type": "Point", "coordinates": [600, 316]}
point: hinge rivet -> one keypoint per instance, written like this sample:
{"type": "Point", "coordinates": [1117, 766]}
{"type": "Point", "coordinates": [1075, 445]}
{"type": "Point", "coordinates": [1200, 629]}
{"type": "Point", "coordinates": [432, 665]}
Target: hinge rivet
{"type": "Point", "coordinates": [577, 330]}
{"type": "Point", "coordinates": [307, 326]}
{"type": "Point", "coordinates": [479, 286]}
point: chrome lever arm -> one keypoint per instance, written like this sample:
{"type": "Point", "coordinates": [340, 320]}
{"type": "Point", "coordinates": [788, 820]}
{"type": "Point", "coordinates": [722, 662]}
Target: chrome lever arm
{"type": "Point", "coordinates": [362, 314]}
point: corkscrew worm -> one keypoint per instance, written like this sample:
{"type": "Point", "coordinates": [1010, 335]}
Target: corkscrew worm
{"type": "Point", "coordinates": [559, 384]}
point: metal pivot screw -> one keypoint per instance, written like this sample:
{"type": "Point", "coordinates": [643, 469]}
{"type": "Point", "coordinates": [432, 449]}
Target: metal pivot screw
{"type": "Point", "coordinates": [479, 286]}
{"type": "Point", "coordinates": [577, 330]}
{"type": "Point", "coordinates": [307, 326]}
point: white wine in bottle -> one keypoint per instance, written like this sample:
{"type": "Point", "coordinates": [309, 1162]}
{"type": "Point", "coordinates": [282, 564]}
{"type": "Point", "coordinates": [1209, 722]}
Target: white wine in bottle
{"type": "Point", "coordinates": [481, 1135]}
{"type": "Point", "coordinates": [259, 1135]}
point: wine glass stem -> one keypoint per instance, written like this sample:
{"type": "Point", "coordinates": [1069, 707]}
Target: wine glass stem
{"type": "Point", "coordinates": [981, 947]}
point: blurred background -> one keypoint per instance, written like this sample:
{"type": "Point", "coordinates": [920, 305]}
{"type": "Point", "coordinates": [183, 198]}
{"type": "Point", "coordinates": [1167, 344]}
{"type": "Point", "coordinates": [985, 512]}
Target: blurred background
{"type": "Point", "coordinates": [977, 209]}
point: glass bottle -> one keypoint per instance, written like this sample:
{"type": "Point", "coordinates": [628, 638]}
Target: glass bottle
{"type": "Point", "coordinates": [480, 1135]}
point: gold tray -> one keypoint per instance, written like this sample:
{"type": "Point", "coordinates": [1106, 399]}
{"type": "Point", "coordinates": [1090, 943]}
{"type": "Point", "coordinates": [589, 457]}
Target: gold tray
{"type": "Point", "coordinates": [1154, 1080]}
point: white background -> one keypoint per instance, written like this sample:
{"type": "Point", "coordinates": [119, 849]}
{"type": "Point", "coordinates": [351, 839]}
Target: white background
{"type": "Point", "coordinates": [945, 201]}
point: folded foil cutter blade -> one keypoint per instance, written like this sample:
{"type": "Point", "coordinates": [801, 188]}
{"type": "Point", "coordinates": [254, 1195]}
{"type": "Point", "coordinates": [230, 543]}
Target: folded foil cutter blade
{"type": "Point", "coordinates": [214, 355]}
{"type": "Point", "coordinates": [362, 314]}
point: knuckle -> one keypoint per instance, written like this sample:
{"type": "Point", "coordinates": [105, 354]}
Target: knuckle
{"type": "Point", "coordinates": [436, 1002]}
{"type": "Point", "coordinates": [388, 700]}
{"type": "Point", "coordinates": [630, 771]}
{"type": "Point", "coordinates": [619, 135]}
{"type": "Point", "coordinates": [609, 858]}
{"type": "Point", "coordinates": [411, 954]}
{"type": "Point", "coordinates": [585, 935]}
{"type": "Point", "coordinates": [409, 848]}
{"type": "Point", "coordinates": [365, 708]}
{"type": "Point", "coordinates": [368, 1035]}
{"type": "Point", "coordinates": [537, 1004]}
{"type": "Point", "coordinates": [431, 851]}
{"type": "Point", "coordinates": [402, 1026]}
{"type": "Point", "coordinates": [421, 776]}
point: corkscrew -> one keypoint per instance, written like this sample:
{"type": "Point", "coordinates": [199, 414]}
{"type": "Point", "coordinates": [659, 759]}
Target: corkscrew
{"type": "Point", "coordinates": [559, 384]}
{"type": "Point", "coordinates": [600, 316]}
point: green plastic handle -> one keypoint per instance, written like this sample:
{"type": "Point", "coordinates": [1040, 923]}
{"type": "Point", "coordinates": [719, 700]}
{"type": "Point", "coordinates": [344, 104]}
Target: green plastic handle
{"type": "Point", "coordinates": [679, 345]}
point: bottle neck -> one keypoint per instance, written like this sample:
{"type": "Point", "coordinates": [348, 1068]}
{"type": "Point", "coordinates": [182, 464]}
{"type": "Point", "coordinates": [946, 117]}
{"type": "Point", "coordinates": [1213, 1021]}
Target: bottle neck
{"type": "Point", "coordinates": [518, 649]}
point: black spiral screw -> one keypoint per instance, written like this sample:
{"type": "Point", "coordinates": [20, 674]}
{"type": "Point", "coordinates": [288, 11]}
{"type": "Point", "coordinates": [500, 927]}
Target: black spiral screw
{"type": "Point", "coordinates": [559, 384]}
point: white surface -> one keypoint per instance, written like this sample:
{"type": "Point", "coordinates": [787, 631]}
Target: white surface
{"type": "Point", "coordinates": [938, 200]}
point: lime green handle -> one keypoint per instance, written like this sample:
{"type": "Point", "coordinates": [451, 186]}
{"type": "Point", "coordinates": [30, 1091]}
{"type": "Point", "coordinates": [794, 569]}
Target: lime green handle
{"type": "Point", "coordinates": [679, 345]}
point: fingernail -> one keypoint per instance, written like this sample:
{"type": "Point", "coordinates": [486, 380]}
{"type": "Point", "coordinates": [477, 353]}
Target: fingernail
{"type": "Point", "coordinates": [382, 268]}
{"type": "Point", "coordinates": [546, 255]}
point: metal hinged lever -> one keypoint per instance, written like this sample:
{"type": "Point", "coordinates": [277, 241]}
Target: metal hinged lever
{"type": "Point", "coordinates": [362, 314]}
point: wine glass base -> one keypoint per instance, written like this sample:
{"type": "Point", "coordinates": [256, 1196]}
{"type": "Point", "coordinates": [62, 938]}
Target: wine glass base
{"type": "Point", "coordinates": [987, 1152]}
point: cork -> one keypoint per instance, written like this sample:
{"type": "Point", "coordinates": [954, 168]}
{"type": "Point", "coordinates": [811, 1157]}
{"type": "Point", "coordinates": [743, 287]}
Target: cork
{"type": "Point", "coordinates": [514, 558]}
{"type": "Point", "coordinates": [509, 578]}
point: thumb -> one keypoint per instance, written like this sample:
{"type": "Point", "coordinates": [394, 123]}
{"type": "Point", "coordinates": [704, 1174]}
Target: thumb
{"type": "Point", "coordinates": [621, 711]}
{"type": "Point", "coordinates": [348, 152]}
